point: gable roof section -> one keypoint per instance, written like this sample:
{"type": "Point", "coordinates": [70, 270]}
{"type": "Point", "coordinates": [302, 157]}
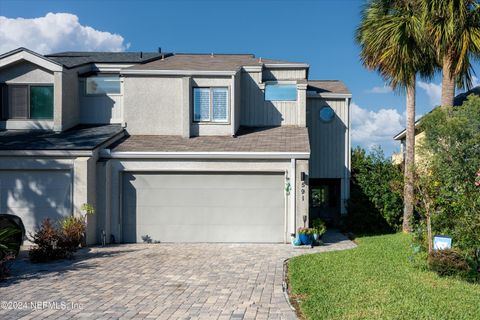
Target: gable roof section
{"type": "Point", "coordinates": [213, 63]}
{"type": "Point", "coordinates": [72, 59]}
{"type": "Point", "coordinates": [30, 56]}
{"type": "Point", "coordinates": [328, 86]}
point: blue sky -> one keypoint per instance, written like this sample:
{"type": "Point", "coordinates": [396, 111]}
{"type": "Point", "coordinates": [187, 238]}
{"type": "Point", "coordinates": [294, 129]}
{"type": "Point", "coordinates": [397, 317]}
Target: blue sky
{"type": "Point", "coordinates": [320, 33]}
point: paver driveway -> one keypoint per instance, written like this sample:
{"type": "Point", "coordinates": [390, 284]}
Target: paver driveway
{"type": "Point", "coordinates": [157, 281]}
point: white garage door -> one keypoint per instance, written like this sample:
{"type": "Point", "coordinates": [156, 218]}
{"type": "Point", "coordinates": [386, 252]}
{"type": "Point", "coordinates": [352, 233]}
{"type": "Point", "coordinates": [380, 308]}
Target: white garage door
{"type": "Point", "coordinates": [36, 195]}
{"type": "Point", "coordinates": [212, 207]}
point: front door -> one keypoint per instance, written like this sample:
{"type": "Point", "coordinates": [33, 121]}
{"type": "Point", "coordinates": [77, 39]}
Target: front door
{"type": "Point", "coordinates": [325, 200]}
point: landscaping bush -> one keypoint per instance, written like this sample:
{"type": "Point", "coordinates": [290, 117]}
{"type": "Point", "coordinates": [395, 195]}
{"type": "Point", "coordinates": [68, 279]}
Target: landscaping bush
{"type": "Point", "coordinates": [375, 204]}
{"type": "Point", "coordinates": [450, 155]}
{"type": "Point", "coordinates": [47, 239]}
{"type": "Point", "coordinates": [448, 262]}
{"type": "Point", "coordinates": [8, 249]}
{"type": "Point", "coordinates": [72, 233]}
{"type": "Point", "coordinates": [319, 227]}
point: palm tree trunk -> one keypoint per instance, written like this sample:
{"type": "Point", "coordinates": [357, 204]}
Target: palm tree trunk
{"type": "Point", "coordinates": [409, 158]}
{"type": "Point", "coordinates": [448, 82]}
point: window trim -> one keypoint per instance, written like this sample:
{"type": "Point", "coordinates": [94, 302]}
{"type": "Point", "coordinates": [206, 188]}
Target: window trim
{"type": "Point", "coordinates": [86, 94]}
{"type": "Point", "coordinates": [267, 83]}
{"type": "Point", "coordinates": [28, 85]}
{"type": "Point", "coordinates": [211, 121]}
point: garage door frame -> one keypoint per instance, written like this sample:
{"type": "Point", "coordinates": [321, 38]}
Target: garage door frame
{"type": "Point", "coordinates": [199, 172]}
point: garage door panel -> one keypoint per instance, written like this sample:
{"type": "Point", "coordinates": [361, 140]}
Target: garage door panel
{"type": "Point", "coordinates": [204, 197]}
{"type": "Point", "coordinates": [36, 195]}
{"type": "Point", "coordinates": [212, 233]}
{"type": "Point", "coordinates": [204, 207]}
{"type": "Point", "coordinates": [203, 216]}
{"type": "Point", "coordinates": [195, 181]}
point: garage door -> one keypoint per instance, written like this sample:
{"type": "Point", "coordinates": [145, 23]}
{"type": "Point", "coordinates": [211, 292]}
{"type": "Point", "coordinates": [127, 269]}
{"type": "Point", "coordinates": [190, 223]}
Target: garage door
{"type": "Point", "coordinates": [203, 207]}
{"type": "Point", "coordinates": [36, 195]}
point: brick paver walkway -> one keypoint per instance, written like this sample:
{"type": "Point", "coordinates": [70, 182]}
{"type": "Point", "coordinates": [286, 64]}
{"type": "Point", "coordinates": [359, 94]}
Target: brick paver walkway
{"type": "Point", "coordinates": [157, 281]}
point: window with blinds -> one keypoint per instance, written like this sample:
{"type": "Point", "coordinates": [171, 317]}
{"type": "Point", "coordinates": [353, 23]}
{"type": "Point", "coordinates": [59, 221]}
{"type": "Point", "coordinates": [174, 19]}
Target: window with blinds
{"type": "Point", "coordinates": [210, 104]}
{"type": "Point", "coordinates": [26, 102]}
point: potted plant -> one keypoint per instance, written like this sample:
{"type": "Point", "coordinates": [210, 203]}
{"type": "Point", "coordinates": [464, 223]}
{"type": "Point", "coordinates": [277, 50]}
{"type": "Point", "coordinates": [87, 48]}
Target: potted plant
{"type": "Point", "coordinates": [319, 229]}
{"type": "Point", "coordinates": [305, 235]}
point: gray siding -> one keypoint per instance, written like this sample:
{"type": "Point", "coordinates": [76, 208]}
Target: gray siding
{"type": "Point", "coordinates": [258, 112]}
{"type": "Point", "coordinates": [100, 108]}
{"type": "Point", "coordinates": [270, 74]}
{"type": "Point", "coordinates": [327, 140]}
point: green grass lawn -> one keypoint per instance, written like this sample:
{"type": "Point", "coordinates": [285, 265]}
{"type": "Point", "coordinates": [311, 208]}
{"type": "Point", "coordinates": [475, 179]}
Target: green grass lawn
{"type": "Point", "coordinates": [377, 280]}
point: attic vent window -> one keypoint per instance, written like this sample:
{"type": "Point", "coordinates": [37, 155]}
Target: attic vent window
{"type": "Point", "coordinates": [327, 114]}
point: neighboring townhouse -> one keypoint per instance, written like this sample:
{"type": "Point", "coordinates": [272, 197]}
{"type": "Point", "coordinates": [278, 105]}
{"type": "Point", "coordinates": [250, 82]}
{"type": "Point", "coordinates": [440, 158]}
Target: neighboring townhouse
{"type": "Point", "coordinates": [179, 147]}
{"type": "Point", "coordinates": [399, 157]}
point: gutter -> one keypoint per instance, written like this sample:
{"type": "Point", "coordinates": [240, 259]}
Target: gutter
{"type": "Point", "coordinates": [107, 153]}
{"type": "Point", "coordinates": [314, 94]}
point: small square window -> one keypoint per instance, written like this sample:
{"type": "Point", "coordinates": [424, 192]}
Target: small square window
{"type": "Point", "coordinates": [210, 104]}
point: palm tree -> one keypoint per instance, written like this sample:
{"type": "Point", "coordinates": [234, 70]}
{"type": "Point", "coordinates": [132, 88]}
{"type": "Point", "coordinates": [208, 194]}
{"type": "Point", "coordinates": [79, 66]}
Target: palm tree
{"type": "Point", "coordinates": [392, 40]}
{"type": "Point", "coordinates": [454, 28]}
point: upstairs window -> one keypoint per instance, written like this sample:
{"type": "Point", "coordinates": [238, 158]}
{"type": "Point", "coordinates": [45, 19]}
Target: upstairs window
{"type": "Point", "coordinates": [210, 104]}
{"type": "Point", "coordinates": [280, 92]}
{"type": "Point", "coordinates": [25, 102]}
{"type": "Point", "coordinates": [98, 85]}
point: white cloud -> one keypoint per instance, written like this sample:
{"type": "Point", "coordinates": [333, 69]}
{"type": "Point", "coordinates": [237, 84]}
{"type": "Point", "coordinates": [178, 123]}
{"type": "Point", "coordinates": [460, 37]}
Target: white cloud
{"type": "Point", "coordinates": [380, 90]}
{"type": "Point", "coordinates": [371, 128]}
{"type": "Point", "coordinates": [433, 91]}
{"type": "Point", "coordinates": [56, 32]}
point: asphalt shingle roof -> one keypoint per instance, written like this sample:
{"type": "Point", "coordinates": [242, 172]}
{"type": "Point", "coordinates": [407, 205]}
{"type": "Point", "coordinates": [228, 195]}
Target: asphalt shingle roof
{"type": "Point", "coordinates": [214, 62]}
{"type": "Point", "coordinates": [82, 137]}
{"type": "Point", "coordinates": [75, 58]}
{"type": "Point", "coordinates": [264, 139]}
{"type": "Point", "coordinates": [328, 86]}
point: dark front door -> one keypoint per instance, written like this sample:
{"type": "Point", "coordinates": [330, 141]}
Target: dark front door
{"type": "Point", "coordinates": [325, 200]}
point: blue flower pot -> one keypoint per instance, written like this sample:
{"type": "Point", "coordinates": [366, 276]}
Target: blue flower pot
{"type": "Point", "coordinates": [306, 239]}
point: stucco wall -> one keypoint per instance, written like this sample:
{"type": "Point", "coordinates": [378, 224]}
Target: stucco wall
{"type": "Point", "coordinates": [70, 103]}
{"type": "Point", "coordinates": [25, 72]}
{"type": "Point", "coordinates": [101, 108]}
{"type": "Point", "coordinates": [152, 105]}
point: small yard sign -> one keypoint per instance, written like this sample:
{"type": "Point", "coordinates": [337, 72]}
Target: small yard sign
{"type": "Point", "coordinates": [442, 242]}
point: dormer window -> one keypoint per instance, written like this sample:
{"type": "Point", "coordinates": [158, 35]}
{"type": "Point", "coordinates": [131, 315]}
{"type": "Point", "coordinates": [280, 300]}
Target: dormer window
{"type": "Point", "coordinates": [210, 104]}
{"type": "Point", "coordinates": [278, 91]}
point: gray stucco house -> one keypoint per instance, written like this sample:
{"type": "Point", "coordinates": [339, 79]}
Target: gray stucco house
{"type": "Point", "coordinates": [180, 147]}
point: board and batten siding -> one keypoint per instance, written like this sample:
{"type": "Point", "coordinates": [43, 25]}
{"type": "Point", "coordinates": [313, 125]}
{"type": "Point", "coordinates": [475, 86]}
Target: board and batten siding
{"type": "Point", "coordinates": [327, 140]}
{"type": "Point", "coordinates": [270, 74]}
{"type": "Point", "coordinates": [258, 112]}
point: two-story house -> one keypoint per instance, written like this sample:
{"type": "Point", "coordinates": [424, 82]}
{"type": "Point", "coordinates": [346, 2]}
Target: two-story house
{"type": "Point", "coordinates": [179, 147]}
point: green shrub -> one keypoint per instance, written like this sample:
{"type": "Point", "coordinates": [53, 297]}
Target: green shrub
{"type": "Point", "coordinates": [319, 227]}
{"type": "Point", "coordinates": [448, 262]}
{"type": "Point", "coordinates": [8, 249]}
{"type": "Point", "coordinates": [375, 204]}
{"type": "Point", "coordinates": [72, 231]}
{"type": "Point", "coordinates": [451, 153]}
